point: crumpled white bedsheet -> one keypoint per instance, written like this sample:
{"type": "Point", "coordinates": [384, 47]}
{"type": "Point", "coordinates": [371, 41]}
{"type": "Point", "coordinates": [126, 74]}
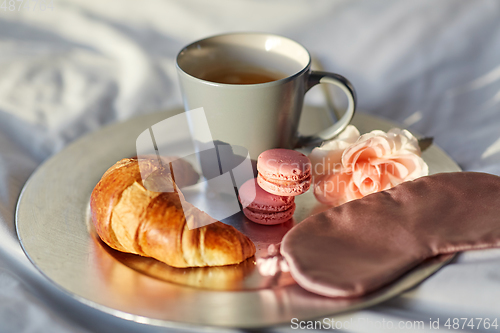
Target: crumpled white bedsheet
{"type": "Point", "coordinates": [431, 65]}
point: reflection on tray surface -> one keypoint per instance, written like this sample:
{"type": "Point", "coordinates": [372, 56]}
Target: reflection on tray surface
{"type": "Point", "coordinates": [243, 276]}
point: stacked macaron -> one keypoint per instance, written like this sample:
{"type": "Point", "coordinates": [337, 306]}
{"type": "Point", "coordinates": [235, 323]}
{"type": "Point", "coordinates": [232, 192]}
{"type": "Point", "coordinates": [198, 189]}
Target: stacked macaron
{"type": "Point", "coordinates": [284, 172]}
{"type": "Point", "coordinates": [263, 207]}
{"type": "Point", "coordinates": [282, 175]}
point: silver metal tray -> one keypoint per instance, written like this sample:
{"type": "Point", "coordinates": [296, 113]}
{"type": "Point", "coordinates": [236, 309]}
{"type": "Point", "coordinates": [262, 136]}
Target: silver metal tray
{"type": "Point", "coordinates": [53, 227]}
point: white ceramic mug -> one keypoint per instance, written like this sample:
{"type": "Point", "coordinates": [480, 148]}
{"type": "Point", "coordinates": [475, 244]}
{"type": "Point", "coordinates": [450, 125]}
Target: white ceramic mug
{"type": "Point", "coordinates": [256, 116]}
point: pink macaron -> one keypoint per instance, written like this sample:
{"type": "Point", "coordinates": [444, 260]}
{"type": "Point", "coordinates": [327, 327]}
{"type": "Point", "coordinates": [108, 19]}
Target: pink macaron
{"type": "Point", "coordinates": [284, 172]}
{"type": "Point", "coordinates": [263, 207]}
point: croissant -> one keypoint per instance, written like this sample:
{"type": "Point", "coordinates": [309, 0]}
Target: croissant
{"type": "Point", "coordinates": [130, 218]}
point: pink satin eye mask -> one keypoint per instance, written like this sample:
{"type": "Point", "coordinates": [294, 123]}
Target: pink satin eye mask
{"type": "Point", "coordinates": [365, 244]}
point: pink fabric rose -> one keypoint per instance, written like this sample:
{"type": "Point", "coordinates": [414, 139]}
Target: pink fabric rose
{"type": "Point", "coordinates": [352, 166]}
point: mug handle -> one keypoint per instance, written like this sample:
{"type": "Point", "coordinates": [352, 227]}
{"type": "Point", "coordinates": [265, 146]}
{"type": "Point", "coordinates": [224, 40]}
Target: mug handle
{"type": "Point", "coordinates": [315, 78]}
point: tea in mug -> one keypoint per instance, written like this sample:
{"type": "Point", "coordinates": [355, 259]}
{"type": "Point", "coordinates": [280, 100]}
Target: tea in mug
{"type": "Point", "coordinates": [242, 74]}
